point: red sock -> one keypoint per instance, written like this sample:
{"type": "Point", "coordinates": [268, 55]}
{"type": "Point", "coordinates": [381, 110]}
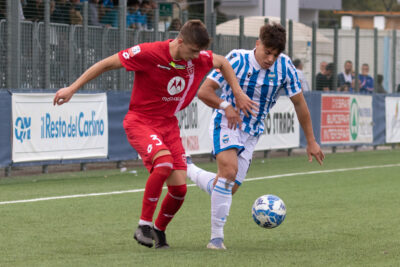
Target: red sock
{"type": "Point", "coordinates": [161, 170]}
{"type": "Point", "coordinates": [170, 205]}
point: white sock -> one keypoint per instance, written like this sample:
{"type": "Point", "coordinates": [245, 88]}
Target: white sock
{"type": "Point", "coordinates": [142, 222]}
{"type": "Point", "coordinates": [221, 200]}
{"type": "Point", "coordinates": [203, 179]}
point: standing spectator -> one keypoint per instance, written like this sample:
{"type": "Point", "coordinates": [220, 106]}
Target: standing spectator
{"type": "Point", "coordinates": [133, 14]}
{"type": "Point", "coordinates": [366, 81]}
{"type": "Point", "coordinates": [93, 13]}
{"type": "Point", "coordinates": [346, 78]}
{"type": "Point", "coordinates": [176, 25]}
{"type": "Point", "coordinates": [324, 81]}
{"type": "Point", "coordinates": [299, 67]}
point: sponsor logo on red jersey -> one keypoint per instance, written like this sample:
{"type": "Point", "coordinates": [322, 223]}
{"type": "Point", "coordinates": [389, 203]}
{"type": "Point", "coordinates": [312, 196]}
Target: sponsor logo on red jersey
{"type": "Point", "coordinates": [176, 85]}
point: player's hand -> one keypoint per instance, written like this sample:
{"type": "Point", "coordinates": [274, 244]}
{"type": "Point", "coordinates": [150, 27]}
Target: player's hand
{"type": "Point", "coordinates": [245, 104]}
{"type": "Point", "coordinates": [313, 150]}
{"type": "Point", "coordinates": [233, 117]}
{"type": "Point", "coordinates": [62, 96]}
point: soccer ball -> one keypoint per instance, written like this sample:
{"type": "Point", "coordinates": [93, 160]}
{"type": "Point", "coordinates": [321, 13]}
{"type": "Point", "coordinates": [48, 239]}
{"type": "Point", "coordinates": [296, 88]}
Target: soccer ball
{"type": "Point", "coordinates": [268, 211]}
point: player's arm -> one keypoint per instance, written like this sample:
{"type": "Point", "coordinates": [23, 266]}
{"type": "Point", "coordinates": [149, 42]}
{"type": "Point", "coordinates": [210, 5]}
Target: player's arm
{"type": "Point", "coordinates": [64, 94]}
{"type": "Point", "coordinates": [243, 102]}
{"type": "Point", "coordinates": [207, 94]}
{"type": "Point", "coordinates": [303, 114]}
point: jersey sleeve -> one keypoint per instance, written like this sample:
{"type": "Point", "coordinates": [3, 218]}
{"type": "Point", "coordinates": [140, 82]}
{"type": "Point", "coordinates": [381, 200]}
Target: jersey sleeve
{"type": "Point", "coordinates": [234, 59]}
{"type": "Point", "coordinates": [133, 58]}
{"type": "Point", "coordinates": [292, 83]}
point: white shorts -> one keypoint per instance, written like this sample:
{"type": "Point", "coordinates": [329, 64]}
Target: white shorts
{"type": "Point", "coordinates": [224, 138]}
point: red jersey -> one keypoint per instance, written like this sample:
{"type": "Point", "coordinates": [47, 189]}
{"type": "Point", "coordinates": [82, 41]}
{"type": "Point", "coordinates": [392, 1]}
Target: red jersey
{"type": "Point", "coordinates": [163, 86]}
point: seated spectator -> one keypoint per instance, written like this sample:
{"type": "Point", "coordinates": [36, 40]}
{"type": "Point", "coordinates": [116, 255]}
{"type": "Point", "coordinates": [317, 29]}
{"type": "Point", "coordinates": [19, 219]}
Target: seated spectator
{"type": "Point", "coordinates": [324, 81]}
{"type": "Point", "coordinates": [34, 10]}
{"type": "Point", "coordinates": [366, 81]}
{"type": "Point", "coordinates": [346, 78]}
{"type": "Point", "coordinates": [110, 17]}
{"type": "Point", "coordinates": [75, 13]}
{"type": "Point", "coordinates": [176, 25]}
{"type": "Point", "coordinates": [299, 67]}
{"type": "Point", "coordinates": [146, 11]}
{"type": "Point", "coordinates": [3, 14]}
{"type": "Point", "coordinates": [133, 14]}
{"type": "Point", "coordinates": [93, 13]}
{"type": "Point", "coordinates": [61, 12]}
{"type": "Point", "coordinates": [379, 87]}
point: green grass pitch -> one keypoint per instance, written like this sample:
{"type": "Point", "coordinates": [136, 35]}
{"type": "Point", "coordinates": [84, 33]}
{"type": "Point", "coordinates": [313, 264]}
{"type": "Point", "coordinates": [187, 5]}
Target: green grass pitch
{"type": "Point", "coordinates": [344, 217]}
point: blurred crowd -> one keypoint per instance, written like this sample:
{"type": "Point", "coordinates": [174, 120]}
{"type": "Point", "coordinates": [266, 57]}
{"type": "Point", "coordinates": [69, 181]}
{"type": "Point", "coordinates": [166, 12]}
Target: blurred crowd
{"type": "Point", "coordinates": [140, 14]}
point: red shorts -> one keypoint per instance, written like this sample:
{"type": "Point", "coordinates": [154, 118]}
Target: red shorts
{"type": "Point", "coordinates": [148, 136]}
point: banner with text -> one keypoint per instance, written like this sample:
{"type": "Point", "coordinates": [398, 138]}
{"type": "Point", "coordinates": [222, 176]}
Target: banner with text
{"type": "Point", "coordinates": [346, 119]}
{"type": "Point", "coordinates": [41, 131]}
{"type": "Point", "coordinates": [194, 122]}
{"type": "Point", "coordinates": [282, 128]}
{"type": "Point", "coordinates": [392, 119]}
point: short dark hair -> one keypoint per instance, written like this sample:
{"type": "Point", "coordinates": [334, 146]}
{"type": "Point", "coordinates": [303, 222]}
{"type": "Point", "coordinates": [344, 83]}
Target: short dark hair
{"type": "Point", "coordinates": [330, 66]}
{"type": "Point", "coordinates": [296, 62]}
{"type": "Point", "coordinates": [273, 36]}
{"type": "Point", "coordinates": [195, 32]}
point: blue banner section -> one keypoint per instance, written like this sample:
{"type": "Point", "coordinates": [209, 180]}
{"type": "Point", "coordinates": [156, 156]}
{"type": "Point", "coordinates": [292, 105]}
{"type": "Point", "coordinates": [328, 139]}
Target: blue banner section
{"type": "Point", "coordinates": [5, 128]}
{"type": "Point", "coordinates": [379, 119]}
{"type": "Point", "coordinates": [313, 100]}
{"type": "Point", "coordinates": [118, 145]}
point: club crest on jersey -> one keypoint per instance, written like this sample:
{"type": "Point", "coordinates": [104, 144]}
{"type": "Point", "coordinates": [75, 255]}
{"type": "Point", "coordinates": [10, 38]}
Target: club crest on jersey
{"type": "Point", "coordinates": [176, 85]}
{"type": "Point", "coordinates": [225, 139]}
{"type": "Point", "coordinates": [249, 75]}
{"type": "Point", "coordinates": [134, 50]}
{"type": "Point", "coordinates": [190, 69]}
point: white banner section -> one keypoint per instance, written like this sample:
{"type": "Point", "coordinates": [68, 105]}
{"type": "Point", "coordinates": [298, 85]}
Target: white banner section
{"type": "Point", "coordinates": [194, 122]}
{"type": "Point", "coordinates": [392, 119]}
{"type": "Point", "coordinates": [281, 127]}
{"type": "Point", "coordinates": [41, 131]}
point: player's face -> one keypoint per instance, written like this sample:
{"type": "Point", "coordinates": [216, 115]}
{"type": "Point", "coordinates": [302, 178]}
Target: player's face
{"type": "Point", "coordinates": [188, 51]}
{"type": "Point", "coordinates": [265, 56]}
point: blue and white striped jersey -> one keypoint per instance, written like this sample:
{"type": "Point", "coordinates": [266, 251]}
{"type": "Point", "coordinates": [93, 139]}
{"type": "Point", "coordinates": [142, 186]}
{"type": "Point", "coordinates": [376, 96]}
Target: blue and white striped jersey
{"type": "Point", "coordinates": [261, 85]}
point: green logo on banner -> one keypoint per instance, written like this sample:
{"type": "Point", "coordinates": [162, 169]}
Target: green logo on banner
{"type": "Point", "coordinates": [354, 119]}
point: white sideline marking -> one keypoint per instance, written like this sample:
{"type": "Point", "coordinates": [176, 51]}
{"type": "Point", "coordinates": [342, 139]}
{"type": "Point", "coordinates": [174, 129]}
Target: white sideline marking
{"type": "Point", "coordinates": [190, 185]}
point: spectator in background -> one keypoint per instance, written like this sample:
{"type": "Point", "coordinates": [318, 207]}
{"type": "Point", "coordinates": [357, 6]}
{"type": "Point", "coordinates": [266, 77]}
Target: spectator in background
{"type": "Point", "coordinates": [299, 67]}
{"type": "Point", "coordinates": [93, 13]}
{"type": "Point", "coordinates": [133, 14]}
{"type": "Point", "coordinates": [75, 12]}
{"type": "Point", "coordinates": [379, 87]}
{"type": "Point", "coordinates": [176, 25]}
{"type": "Point", "coordinates": [146, 11]}
{"type": "Point", "coordinates": [3, 9]}
{"type": "Point", "coordinates": [346, 78]}
{"type": "Point", "coordinates": [366, 81]}
{"type": "Point", "coordinates": [324, 81]}
{"type": "Point", "coordinates": [322, 68]}
{"type": "Point", "coordinates": [34, 10]}
{"type": "Point", "coordinates": [61, 12]}
{"type": "Point", "coordinates": [110, 17]}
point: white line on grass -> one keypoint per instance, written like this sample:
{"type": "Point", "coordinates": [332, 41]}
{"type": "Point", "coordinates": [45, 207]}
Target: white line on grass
{"type": "Point", "coordinates": [247, 180]}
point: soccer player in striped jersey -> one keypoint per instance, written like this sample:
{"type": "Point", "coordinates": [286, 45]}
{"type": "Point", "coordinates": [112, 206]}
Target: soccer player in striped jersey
{"type": "Point", "coordinates": [262, 73]}
{"type": "Point", "coordinates": [167, 76]}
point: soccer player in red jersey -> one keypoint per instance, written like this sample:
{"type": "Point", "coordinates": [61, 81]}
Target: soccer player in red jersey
{"type": "Point", "coordinates": [167, 77]}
